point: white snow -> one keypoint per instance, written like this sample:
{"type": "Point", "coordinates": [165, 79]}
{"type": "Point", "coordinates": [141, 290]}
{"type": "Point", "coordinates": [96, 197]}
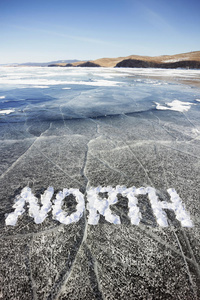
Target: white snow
{"type": "Point", "coordinates": [60, 215]}
{"type": "Point", "coordinates": [46, 82]}
{"type": "Point", "coordinates": [175, 105]}
{"type": "Point", "coordinates": [170, 60]}
{"type": "Point", "coordinates": [175, 60]}
{"type": "Point", "coordinates": [39, 214]}
{"type": "Point", "coordinates": [173, 73]}
{"type": "Point", "coordinates": [178, 207]}
{"type": "Point", "coordinates": [134, 212]}
{"type": "Point", "coordinates": [11, 219]}
{"type": "Point", "coordinates": [93, 83]}
{"type": "Point", "coordinates": [45, 77]}
{"type": "Point", "coordinates": [156, 206]}
{"type": "Point", "coordinates": [41, 86]}
{"type": "Point", "coordinates": [2, 97]}
{"type": "Point", "coordinates": [98, 206]}
{"type": "Point", "coordinates": [6, 111]}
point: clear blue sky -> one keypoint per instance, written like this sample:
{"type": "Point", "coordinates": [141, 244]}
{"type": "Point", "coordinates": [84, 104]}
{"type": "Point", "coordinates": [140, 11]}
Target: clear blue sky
{"type": "Point", "coordinates": [46, 30]}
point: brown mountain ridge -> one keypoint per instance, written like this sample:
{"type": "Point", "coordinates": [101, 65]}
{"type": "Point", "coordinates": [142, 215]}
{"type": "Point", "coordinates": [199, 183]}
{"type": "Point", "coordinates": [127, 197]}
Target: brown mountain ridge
{"type": "Point", "coordinates": [189, 60]}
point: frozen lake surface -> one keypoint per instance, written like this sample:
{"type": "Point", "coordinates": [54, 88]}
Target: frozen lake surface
{"type": "Point", "coordinates": [82, 128]}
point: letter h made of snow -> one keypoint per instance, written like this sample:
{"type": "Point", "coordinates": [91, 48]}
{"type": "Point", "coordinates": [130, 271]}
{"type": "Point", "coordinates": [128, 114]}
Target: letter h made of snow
{"type": "Point", "coordinates": [176, 205]}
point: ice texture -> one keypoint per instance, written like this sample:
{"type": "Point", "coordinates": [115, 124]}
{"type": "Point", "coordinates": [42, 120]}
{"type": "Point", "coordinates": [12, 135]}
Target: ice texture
{"type": "Point", "coordinates": [91, 136]}
{"type": "Point", "coordinates": [45, 83]}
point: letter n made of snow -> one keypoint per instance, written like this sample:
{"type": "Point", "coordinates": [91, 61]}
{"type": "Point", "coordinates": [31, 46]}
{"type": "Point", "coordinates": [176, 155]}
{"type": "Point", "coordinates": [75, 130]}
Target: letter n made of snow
{"type": "Point", "coordinates": [101, 206]}
{"type": "Point", "coordinates": [176, 205]}
{"type": "Point", "coordinates": [35, 211]}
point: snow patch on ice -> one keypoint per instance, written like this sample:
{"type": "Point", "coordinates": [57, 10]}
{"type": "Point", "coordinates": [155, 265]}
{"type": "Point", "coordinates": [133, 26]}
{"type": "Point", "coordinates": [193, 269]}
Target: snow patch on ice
{"type": "Point", "coordinates": [6, 111]}
{"type": "Point", "coordinates": [95, 83]}
{"type": "Point", "coordinates": [41, 86]}
{"type": "Point", "coordinates": [175, 105]}
{"type": "Point", "coordinates": [2, 97]}
{"type": "Point", "coordinates": [46, 82]}
{"type": "Point", "coordinates": [66, 88]}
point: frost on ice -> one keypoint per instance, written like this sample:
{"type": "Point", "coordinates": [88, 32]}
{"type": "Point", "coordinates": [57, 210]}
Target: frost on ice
{"type": "Point", "coordinates": [98, 205]}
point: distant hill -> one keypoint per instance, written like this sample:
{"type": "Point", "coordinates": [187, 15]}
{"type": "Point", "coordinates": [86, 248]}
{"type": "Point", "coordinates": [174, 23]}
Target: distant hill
{"type": "Point", "coordinates": [50, 63]}
{"type": "Point", "coordinates": [88, 64]}
{"type": "Point", "coordinates": [190, 60]}
{"type": "Point", "coordinates": [149, 61]}
{"type": "Point", "coordinates": [46, 64]}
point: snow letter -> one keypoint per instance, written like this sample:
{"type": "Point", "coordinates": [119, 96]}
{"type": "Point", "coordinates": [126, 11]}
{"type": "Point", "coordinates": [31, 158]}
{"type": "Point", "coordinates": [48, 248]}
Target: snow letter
{"type": "Point", "coordinates": [134, 212]}
{"type": "Point", "coordinates": [61, 216]}
{"type": "Point", "coordinates": [26, 196]}
{"type": "Point", "coordinates": [97, 204]}
{"type": "Point", "coordinates": [175, 205]}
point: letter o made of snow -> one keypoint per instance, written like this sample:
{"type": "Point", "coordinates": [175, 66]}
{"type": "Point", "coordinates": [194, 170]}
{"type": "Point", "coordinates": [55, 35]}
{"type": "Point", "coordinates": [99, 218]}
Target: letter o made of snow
{"type": "Point", "coordinates": [60, 215]}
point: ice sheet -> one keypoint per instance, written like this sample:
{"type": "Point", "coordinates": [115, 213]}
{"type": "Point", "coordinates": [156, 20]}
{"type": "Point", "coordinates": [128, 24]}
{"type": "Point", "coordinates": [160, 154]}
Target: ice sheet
{"type": "Point", "coordinates": [110, 138]}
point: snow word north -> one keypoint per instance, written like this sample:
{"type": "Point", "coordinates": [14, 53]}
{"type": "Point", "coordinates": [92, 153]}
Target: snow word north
{"type": "Point", "coordinates": [97, 205]}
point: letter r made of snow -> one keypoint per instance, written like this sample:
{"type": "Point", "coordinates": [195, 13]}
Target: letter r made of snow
{"type": "Point", "coordinates": [35, 211]}
{"type": "Point", "coordinates": [101, 206]}
{"type": "Point", "coordinates": [176, 205]}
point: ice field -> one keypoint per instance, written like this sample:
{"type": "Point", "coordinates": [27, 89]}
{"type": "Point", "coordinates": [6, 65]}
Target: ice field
{"type": "Point", "coordinates": [129, 141]}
